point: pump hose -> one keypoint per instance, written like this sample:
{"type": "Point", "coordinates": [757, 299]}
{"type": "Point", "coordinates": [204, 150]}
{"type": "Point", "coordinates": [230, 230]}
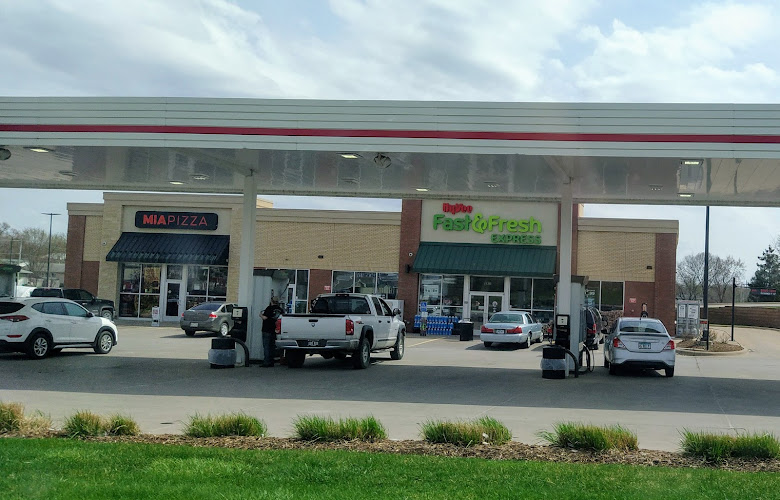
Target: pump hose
{"type": "Point", "coordinates": [246, 351]}
{"type": "Point", "coordinates": [577, 365]}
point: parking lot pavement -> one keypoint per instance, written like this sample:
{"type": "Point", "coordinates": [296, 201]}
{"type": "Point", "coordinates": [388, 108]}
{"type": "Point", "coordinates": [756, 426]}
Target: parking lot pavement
{"type": "Point", "coordinates": [161, 377]}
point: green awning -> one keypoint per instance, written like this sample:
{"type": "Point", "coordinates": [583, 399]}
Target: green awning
{"type": "Point", "coordinates": [160, 248]}
{"type": "Point", "coordinates": [490, 260]}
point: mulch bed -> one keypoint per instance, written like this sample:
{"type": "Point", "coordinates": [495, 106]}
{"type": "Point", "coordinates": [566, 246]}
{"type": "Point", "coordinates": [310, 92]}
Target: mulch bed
{"type": "Point", "coordinates": [699, 345]}
{"type": "Point", "coordinates": [510, 451]}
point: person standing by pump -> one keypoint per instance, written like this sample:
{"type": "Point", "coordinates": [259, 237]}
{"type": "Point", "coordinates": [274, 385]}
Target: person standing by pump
{"type": "Point", "coordinates": [269, 317]}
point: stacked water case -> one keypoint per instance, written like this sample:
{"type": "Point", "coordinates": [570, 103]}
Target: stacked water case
{"type": "Point", "coordinates": [436, 325]}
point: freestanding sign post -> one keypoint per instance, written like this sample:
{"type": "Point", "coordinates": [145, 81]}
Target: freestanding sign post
{"type": "Point", "coordinates": [156, 316]}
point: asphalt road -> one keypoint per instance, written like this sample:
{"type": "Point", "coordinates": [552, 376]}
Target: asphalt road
{"type": "Point", "coordinates": [161, 377]}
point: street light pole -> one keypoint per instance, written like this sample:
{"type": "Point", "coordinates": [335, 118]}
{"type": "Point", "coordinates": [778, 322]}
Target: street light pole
{"type": "Point", "coordinates": [733, 303]}
{"type": "Point", "coordinates": [48, 260]}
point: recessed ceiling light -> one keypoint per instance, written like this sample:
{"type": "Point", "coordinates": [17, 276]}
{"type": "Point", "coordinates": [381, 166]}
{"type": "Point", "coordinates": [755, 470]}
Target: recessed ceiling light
{"type": "Point", "coordinates": [691, 162]}
{"type": "Point", "coordinates": [350, 180]}
{"type": "Point", "coordinates": [422, 190]}
{"type": "Point", "coordinates": [38, 149]}
{"type": "Point", "coordinates": [685, 195]}
{"type": "Point", "coordinates": [176, 183]}
{"type": "Point", "coordinates": [656, 187]}
{"type": "Point", "coordinates": [67, 173]}
{"type": "Point", "coordinates": [199, 177]}
{"type": "Point", "coordinates": [350, 156]}
{"type": "Point", "coordinates": [491, 184]}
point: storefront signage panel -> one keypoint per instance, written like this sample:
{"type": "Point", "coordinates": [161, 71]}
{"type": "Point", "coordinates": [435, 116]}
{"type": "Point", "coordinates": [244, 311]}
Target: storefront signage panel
{"type": "Point", "coordinates": [490, 222]}
{"type": "Point", "coordinates": [205, 221]}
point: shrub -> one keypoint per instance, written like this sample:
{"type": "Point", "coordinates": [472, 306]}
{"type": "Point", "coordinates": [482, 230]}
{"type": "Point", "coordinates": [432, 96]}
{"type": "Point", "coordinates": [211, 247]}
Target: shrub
{"type": "Point", "coordinates": [483, 430]}
{"type": "Point", "coordinates": [121, 425]}
{"type": "Point", "coordinates": [312, 428]}
{"type": "Point", "coordinates": [234, 424]}
{"type": "Point", "coordinates": [590, 437]}
{"type": "Point", "coordinates": [717, 447]}
{"type": "Point", "coordinates": [85, 423]}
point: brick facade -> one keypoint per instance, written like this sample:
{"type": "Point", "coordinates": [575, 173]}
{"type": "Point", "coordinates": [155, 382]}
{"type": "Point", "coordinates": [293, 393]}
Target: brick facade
{"type": "Point", "coordinates": [408, 282]}
{"type": "Point", "coordinates": [768, 317]}
{"type": "Point", "coordinates": [665, 278]}
{"type": "Point", "coordinates": [74, 250]}
{"type": "Point", "coordinates": [318, 280]}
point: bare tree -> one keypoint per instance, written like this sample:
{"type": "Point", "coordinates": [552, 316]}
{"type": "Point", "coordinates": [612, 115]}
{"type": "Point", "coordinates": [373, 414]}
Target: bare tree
{"type": "Point", "coordinates": [722, 271]}
{"type": "Point", "coordinates": [690, 276]}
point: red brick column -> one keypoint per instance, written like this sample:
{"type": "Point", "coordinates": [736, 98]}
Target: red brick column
{"type": "Point", "coordinates": [74, 251]}
{"type": "Point", "coordinates": [408, 282]}
{"type": "Point", "coordinates": [643, 292]}
{"type": "Point", "coordinates": [318, 280]}
{"type": "Point", "coordinates": [665, 276]}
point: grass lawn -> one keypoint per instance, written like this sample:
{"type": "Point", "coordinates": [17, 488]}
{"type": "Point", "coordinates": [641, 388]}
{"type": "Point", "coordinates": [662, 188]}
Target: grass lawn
{"type": "Point", "coordinates": [61, 468]}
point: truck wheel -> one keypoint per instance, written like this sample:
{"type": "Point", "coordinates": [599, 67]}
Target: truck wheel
{"type": "Point", "coordinates": [361, 358]}
{"type": "Point", "coordinates": [295, 359]}
{"type": "Point", "coordinates": [189, 333]}
{"type": "Point", "coordinates": [398, 351]}
{"type": "Point", "coordinates": [107, 314]}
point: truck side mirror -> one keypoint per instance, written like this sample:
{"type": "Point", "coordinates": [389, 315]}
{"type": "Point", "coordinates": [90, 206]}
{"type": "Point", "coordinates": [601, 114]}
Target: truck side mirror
{"type": "Point", "coordinates": [396, 312]}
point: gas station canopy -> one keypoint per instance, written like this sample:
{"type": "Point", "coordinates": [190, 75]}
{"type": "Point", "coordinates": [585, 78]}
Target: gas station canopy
{"type": "Point", "coordinates": [716, 154]}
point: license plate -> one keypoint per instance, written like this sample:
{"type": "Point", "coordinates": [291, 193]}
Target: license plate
{"type": "Point", "coordinates": [644, 345]}
{"type": "Point", "coordinates": [311, 343]}
{"type": "Point", "coordinates": [500, 331]}
{"type": "Point", "coordinates": [193, 324]}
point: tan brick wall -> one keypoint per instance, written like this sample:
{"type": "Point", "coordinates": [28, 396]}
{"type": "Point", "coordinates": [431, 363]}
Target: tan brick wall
{"type": "Point", "coordinates": [234, 254]}
{"type": "Point", "coordinates": [350, 247]}
{"type": "Point", "coordinates": [768, 317]}
{"type": "Point", "coordinates": [615, 256]}
{"type": "Point", "coordinates": [110, 233]}
{"type": "Point", "coordinates": [93, 242]}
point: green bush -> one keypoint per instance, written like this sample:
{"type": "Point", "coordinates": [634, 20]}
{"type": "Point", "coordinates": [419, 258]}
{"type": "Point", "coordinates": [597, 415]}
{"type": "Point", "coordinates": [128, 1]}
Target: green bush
{"type": "Point", "coordinates": [121, 425]}
{"type": "Point", "coordinates": [466, 433]}
{"type": "Point", "coordinates": [85, 423]}
{"type": "Point", "coordinates": [717, 447]}
{"type": "Point", "coordinates": [234, 424]}
{"type": "Point", "coordinates": [312, 428]}
{"type": "Point", "coordinates": [590, 437]}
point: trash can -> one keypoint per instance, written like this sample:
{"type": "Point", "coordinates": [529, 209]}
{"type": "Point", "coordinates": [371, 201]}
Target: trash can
{"type": "Point", "coordinates": [223, 353]}
{"type": "Point", "coordinates": [554, 362]}
{"type": "Point", "coordinates": [465, 329]}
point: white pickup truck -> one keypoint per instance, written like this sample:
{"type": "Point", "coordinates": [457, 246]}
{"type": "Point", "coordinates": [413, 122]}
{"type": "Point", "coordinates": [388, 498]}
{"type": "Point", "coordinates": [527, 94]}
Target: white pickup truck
{"type": "Point", "coordinates": [342, 324]}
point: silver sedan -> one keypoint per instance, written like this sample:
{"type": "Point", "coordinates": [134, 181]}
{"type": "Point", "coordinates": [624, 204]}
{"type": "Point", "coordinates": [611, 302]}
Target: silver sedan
{"type": "Point", "coordinates": [640, 343]}
{"type": "Point", "coordinates": [517, 327]}
{"type": "Point", "coordinates": [214, 317]}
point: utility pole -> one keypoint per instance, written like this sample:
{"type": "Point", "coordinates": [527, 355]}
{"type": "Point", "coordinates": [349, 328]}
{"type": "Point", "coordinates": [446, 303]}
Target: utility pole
{"type": "Point", "coordinates": [48, 260]}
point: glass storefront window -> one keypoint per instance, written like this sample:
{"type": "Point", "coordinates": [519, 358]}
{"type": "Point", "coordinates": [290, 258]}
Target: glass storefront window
{"type": "Point", "coordinates": [146, 304]}
{"type": "Point", "coordinates": [611, 295]}
{"type": "Point", "coordinates": [452, 295]}
{"type": "Point", "coordinates": [592, 294]}
{"type": "Point", "coordinates": [343, 281]}
{"type": "Point", "coordinates": [520, 293]}
{"type": "Point", "coordinates": [365, 282]}
{"type": "Point", "coordinates": [217, 281]}
{"type": "Point", "coordinates": [197, 279]}
{"type": "Point", "coordinates": [131, 278]}
{"type": "Point", "coordinates": [543, 294]}
{"type": "Point", "coordinates": [150, 280]}
{"type": "Point", "coordinates": [174, 272]}
{"type": "Point", "coordinates": [387, 285]}
{"type": "Point", "coordinates": [487, 284]}
{"type": "Point", "coordinates": [301, 288]}
{"type": "Point", "coordinates": [128, 305]}
{"type": "Point", "coordinates": [430, 289]}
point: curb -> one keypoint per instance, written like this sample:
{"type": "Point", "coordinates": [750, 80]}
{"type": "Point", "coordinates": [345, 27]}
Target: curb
{"type": "Point", "coordinates": [685, 351]}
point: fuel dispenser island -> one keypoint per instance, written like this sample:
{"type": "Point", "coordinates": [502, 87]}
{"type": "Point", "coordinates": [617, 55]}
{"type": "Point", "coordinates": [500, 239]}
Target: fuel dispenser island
{"type": "Point", "coordinates": [562, 358]}
{"type": "Point", "coordinates": [268, 284]}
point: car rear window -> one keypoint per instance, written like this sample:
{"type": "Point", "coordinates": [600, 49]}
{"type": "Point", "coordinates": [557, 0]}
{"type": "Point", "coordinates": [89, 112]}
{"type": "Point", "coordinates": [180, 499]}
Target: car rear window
{"type": "Point", "coordinates": [10, 307]}
{"type": "Point", "coordinates": [642, 327]}
{"type": "Point", "coordinates": [506, 318]}
{"type": "Point", "coordinates": [207, 306]}
{"type": "Point", "coordinates": [45, 292]}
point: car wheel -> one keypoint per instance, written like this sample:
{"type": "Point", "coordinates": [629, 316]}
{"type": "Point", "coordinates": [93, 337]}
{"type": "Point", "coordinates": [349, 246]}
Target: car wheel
{"type": "Point", "coordinates": [398, 351]}
{"type": "Point", "coordinates": [38, 345]}
{"type": "Point", "coordinates": [487, 344]}
{"type": "Point", "coordinates": [223, 329]}
{"type": "Point", "coordinates": [107, 314]}
{"type": "Point", "coordinates": [104, 342]}
{"type": "Point", "coordinates": [295, 359]}
{"type": "Point", "coordinates": [669, 372]}
{"type": "Point", "coordinates": [361, 358]}
{"type": "Point", "coordinates": [526, 344]}
{"type": "Point", "coordinates": [612, 369]}
{"type": "Point", "coordinates": [189, 333]}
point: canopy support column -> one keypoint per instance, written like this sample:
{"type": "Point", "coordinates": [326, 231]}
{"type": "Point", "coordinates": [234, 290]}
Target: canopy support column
{"type": "Point", "coordinates": [565, 249]}
{"type": "Point", "coordinates": [247, 255]}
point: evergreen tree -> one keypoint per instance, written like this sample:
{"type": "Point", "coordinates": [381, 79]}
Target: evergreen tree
{"type": "Point", "coordinates": [768, 273]}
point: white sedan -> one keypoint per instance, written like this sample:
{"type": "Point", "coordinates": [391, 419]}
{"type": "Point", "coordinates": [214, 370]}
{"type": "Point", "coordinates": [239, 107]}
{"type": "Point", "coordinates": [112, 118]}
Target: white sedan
{"type": "Point", "coordinates": [40, 326]}
{"type": "Point", "coordinates": [639, 343]}
{"type": "Point", "coordinates": [517, 327]}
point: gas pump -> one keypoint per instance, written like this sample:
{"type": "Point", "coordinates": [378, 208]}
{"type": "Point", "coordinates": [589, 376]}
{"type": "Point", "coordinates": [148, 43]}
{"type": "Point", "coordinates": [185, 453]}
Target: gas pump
{"type": "Point", "coordinates": [267, 284]}
{"type": "Point", "coordinates": [569, 336]}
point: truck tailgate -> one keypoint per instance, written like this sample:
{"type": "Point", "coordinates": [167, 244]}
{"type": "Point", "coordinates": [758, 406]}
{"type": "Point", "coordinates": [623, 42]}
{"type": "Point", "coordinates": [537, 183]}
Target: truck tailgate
{"type": "Point", "coordinates": [314, 327]}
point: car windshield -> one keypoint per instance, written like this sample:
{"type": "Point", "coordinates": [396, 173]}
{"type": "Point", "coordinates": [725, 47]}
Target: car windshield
{"type": "Point", "coordinates": [207, 306]}
{"type": "Point", "coordinates": [506, 318]}
{"type": "Point", "coordinates": [630, 327]}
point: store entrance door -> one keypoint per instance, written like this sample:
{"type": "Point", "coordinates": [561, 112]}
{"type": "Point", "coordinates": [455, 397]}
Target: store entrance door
{"type": "Point", "coordinates": [483, 305]}
{"type": "Point", "coordinates": [173, 301]}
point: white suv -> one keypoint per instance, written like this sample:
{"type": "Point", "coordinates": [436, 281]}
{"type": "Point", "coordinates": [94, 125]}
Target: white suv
{"type": "Point", "coordinates": [40, 326]}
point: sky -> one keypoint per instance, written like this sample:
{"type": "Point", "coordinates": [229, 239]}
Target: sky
{"type": "Point", "coordinates": [524, 51]}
